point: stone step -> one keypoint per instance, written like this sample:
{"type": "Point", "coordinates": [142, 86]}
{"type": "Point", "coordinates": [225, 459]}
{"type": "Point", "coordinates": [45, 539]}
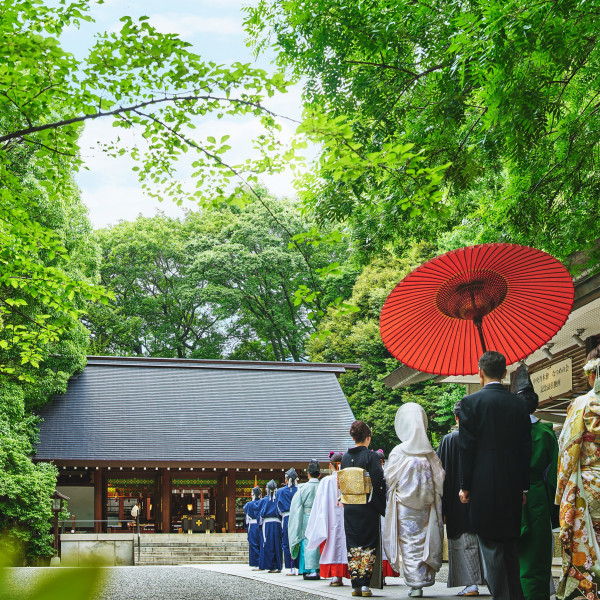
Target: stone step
{"type": "Point", "coordinates": [195, 555]}
{"type": "Point", "coordinates": [193, 558]}
{"type": "Point", "coordinates": [170, 561]}
{"type": "Point", "coordinates": [182, 545]}
{"type": "Point", "coordinates": [165, 550]}
{"type": "Point", "coordinates": [193, 549]}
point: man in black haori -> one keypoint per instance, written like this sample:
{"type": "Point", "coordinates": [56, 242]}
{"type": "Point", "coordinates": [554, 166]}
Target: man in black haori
{"type": "Point", "coordinates": [362, 514]}
{"type": "Point", "coordinates": [495, 454]}
{"type": "Point", "coordinates": [464, 563]}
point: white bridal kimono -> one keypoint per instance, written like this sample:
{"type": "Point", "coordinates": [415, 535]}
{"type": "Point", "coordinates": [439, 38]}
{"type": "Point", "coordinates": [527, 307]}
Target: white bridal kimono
{"type": "Point", "coordinates": [413, 529]}
{"type": "Point", "coordinates": [326, 524]}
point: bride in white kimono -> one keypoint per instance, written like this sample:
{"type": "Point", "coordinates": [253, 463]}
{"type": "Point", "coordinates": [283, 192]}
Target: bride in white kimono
{"type": "Point", "coordinates": [414, 529]}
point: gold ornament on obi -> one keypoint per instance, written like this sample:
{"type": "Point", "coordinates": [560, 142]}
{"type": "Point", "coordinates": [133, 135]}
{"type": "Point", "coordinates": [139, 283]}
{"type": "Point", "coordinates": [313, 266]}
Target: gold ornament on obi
{"type": "Point", "coordinates": [355, 485]}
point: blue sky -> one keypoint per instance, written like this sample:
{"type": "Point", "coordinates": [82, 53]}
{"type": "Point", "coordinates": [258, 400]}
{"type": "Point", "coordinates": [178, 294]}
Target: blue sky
{"type": "Point", "coordinates": [109, 188]}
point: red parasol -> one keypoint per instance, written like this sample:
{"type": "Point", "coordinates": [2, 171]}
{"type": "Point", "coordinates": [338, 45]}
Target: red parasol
{"type": "Point", "coordinates": [504, 297]}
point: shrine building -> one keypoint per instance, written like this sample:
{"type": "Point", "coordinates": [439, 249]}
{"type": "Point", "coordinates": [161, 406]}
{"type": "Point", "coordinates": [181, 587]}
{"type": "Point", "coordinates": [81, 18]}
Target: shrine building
{"type": "Point", "coordinates": [188, 439]}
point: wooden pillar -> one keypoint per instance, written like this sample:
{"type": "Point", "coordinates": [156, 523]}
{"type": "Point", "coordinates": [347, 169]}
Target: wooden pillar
{"type": "Point", "coordinates": [98, 496]}
{"type": "Point", "coordinates": [165, 503]}
{"type": "Point", "coordinates": [230, 500]}
{"type": "Point", "coordinates": [220, 492]}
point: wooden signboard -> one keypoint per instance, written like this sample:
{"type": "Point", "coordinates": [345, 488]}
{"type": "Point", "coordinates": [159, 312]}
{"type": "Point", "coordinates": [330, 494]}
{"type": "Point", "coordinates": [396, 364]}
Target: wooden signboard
{"type": "Point", "coordinates": [554, 380]}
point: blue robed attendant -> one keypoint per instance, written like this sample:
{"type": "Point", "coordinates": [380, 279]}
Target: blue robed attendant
{"type": "Point", "coordinates": [252, 510]}
{"type": "Point", "coordinates": [270, 558]}
{"type": "Point", "coordinates": [284, 501]}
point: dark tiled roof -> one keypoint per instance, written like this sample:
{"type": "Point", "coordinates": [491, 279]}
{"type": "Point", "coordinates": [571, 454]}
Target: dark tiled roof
{"type": "Point", "coordinates": [124, 409]}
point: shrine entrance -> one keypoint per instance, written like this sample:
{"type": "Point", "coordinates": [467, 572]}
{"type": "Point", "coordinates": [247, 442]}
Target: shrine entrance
{"type": "Point", "coordinates": [122, 494]}
{"type": "Point", "coordinates": [171, 499]}
{"type": "Point", "coordinates": [193, 504]}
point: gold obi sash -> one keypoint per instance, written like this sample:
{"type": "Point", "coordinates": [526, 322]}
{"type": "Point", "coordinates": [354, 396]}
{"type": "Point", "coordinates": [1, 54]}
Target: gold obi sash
{"type": "Point", "coordinates": [355, 485]}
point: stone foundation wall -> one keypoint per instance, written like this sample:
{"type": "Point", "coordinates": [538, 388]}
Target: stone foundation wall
{"type": "Point", "coordinates": [108, 549]}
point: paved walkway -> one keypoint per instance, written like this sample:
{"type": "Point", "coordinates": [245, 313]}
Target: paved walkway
{"type": "Point", "coordinates": [395, 589]}
{"type": "Point", "coordinates": [139, 583]}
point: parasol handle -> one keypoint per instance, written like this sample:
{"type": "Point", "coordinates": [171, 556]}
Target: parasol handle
{"type": "Point", "coordinates": [478, 322]}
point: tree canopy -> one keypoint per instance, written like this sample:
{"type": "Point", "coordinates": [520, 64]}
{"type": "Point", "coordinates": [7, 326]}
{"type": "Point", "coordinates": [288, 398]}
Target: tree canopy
{"type": "Point", "coordinates": [354, 338]}
{"type": "Point", "coordinates": [221, 282]}
{"type": "Point", "coordinates": [501, 97]}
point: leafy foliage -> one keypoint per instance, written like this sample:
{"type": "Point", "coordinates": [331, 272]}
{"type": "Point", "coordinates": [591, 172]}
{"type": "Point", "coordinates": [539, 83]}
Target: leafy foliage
{"type": "Point", "coordinates": [506, 93]}
{"type": "Point", "coordinates": [219, 282]}
{"type": "Point", "coordinates": [354, 338]}
{"type": "Point", "coordinates": [83, 583]}
{"type": "Point", "coordinates": [25, 488]}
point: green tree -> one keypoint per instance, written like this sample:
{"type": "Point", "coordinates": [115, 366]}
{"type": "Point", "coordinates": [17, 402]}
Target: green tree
{"type": "Point", "coordinates": [25, 488]}
{"type": "Point", "coordinates": [43, 293]}
{"type": "Point", "coordinates": [506, 93]}
{"type": "Point", "coordinates": [163, 302]}
{"type": "Point", "coordinates": [135, 78]}
{"type": "Point", "coordinates": [354, 338]}
{"type": "Point", "coordinates": [258, 271]}
{"type": "Point", "coordinates": [222, 281]}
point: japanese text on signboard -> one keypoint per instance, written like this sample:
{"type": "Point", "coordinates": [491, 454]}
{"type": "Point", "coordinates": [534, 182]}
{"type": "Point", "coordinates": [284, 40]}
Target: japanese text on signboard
{"type": "Point", "coordinates": [554, 380]}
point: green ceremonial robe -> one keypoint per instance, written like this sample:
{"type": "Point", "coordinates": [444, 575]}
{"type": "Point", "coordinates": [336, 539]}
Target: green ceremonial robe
{"type": "Point", "coordinates": [300, 508]}
{"type": "Point", "coordinates": [535, 543]}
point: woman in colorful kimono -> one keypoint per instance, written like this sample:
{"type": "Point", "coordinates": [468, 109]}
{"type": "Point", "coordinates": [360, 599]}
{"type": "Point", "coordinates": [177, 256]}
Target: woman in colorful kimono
{"type": "Point", "coordinates": [578, 491]}
{"type": "Point", "coordinates": [414, 527]}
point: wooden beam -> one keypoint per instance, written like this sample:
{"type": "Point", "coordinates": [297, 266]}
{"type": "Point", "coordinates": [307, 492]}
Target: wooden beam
{"type": "Point", "coordinates": [230, 507]}
{"type": "Point", "coordinates": [98, 499]}
{"type": "Point", "coordinates": [129, 468]}
{"type": "Point", "coordinates": [165, 503]}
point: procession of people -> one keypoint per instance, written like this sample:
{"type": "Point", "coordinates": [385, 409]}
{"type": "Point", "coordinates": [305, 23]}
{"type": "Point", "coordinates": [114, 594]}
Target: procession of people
{"type": "Point", "coordinates": [492, 483]}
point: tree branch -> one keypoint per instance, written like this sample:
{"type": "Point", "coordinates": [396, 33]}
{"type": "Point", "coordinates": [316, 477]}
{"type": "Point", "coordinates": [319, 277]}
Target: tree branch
{"type": "Point", "coordinates": [414, 75]}
{"type": "Point", "coordinates": [241, 178]}
{"type": "Point", "coordinates": [126, 109]}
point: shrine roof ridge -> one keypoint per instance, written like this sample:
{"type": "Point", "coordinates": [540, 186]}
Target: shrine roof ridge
{"type": "Point", "coordinates": [204, 363]}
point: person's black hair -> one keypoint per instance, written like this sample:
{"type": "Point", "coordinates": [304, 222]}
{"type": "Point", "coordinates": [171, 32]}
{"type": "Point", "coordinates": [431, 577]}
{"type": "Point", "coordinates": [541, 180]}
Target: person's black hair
{"type": "Point", "coordinates": [360, 431]}
{"type": "Point", "coordinates": [531, 398]}
{"type": "Point", "coordinates": [493, 364]}
{"type": "Point", "coordinates": [456, 409]}
{"type": "Point", "coordinates": [314, 468]}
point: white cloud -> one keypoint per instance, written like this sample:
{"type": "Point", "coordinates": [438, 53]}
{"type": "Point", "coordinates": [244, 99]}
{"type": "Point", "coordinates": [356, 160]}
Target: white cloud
{"type": "Point", "coordinates": [189, 25]}
{"type": "Point", "coordinates": [112, 192]}
{"type": "Point", "coordinates": [110, 204]}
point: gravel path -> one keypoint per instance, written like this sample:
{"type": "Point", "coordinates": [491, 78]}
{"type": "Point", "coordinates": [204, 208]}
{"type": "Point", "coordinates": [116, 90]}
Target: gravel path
{"type": "Point", "coordinates": [159, 583]}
